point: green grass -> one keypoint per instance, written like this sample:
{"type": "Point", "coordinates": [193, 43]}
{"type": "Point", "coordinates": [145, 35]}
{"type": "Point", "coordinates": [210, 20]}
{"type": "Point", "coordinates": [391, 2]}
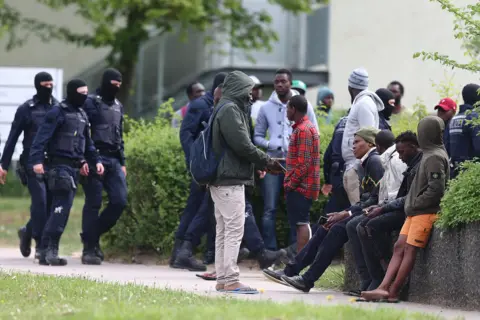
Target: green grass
{"type": "Point", "coordinates": [332, 278]}
{"type": "Point", "coordinates": [15, 212]}
{"type": "Point", "coordinates": [26, 296]}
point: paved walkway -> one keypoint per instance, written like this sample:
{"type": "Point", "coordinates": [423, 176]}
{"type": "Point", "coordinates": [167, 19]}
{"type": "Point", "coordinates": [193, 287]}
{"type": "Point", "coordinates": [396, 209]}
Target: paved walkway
{"type": "Point", "coordinates": [164, 277]}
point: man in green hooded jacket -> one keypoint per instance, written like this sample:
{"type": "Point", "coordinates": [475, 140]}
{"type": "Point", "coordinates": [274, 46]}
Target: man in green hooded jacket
{"type": "Point", "coordinates": [232, 138]}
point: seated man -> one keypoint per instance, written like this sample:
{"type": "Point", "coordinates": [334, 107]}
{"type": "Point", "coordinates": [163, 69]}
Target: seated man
{"type": "Point", "coordinates": [330, 238]}
{"type": "Point", "coordinates": [422, 205]}
{"type": "Point", "coordinates": [369, 233]}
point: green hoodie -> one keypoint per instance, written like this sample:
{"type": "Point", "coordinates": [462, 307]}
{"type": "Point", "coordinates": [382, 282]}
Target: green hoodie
{"type": "Point", "coordinates": [231, 126]}
{"type": "Point", "coordinates": [430, 181]}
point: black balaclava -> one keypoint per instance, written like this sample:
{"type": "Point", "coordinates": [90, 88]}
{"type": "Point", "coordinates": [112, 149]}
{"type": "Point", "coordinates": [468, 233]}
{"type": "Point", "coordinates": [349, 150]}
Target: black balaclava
{"type": "Point", "coordinates": [470, 94]}
{"type": "Point", "coordinates": [43, 93]}
{"type": "Point", "coordinates": [74, 97]}
{"type": "Point", "coordinates": [219, 78]}
{"type": "Point", "coordinates": [108, 91]}
{"type": "Point", "coordinates": [386, 95]}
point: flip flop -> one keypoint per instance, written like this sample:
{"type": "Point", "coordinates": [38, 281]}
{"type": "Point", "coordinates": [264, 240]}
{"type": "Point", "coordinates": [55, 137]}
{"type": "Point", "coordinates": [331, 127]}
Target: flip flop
{"type": "Point", "coordinates": [378, 301]}
{"type": "Point", "coordinates": [207, 276]}
{"type": "Point", "coordinates": [242, 290]}
{"type": "Point", "coordinates": [353, 293]}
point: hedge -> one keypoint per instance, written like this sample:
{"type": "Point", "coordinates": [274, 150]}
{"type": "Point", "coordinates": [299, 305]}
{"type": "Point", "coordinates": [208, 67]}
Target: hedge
{"type": "Point", "coordinates": [158, 184]}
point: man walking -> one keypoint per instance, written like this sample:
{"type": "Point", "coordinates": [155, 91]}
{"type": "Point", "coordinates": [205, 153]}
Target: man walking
{"type": "Point", "coordinates": [105, 114]}
{"type": "Point", "coordinates": [302, 179]}
{"type": "Point", "coordinates": [364, 113]}
{"type": "Point", "coordinates": [65, 135]}
{"type": "Point", "coordinates": [231, 137]}
{"type": "Point", "coordinates": [28, 118]}
{"type": "Point", "coordinates": [272, 118]}
{"type": "Point", "coordinates": [194, 90]}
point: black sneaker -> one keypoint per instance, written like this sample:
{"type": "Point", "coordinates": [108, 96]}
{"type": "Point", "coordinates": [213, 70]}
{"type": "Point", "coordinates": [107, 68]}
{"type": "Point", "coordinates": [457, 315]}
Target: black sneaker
{"type": "Point", "coordinates": [275, 276]}
{"type": "Point", "coordinates": [90, 257]}
{"type": "Point", "coordinates": [296, 282]}
{"type": "Point", "coordinates": [268, 258]}
{"type": "Point", "coordinates": [189, 263]}
{"type": "Point", "coordinates": [209, 258]}
{"type": "Point", "coordinates": [25, 241]}
{"type": "Point", "coordinates": [52, 258]}
{"type": "Point", "coordinates": [243, 254]}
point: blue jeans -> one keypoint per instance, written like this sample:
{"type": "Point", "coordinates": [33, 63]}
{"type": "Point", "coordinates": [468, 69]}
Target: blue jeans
{"type": "Point", "coordinates": [115, 184]}
{"type": "Point", "coordinates": [194, 202]}
{"type": "Point", "coordinates": [271, 188]}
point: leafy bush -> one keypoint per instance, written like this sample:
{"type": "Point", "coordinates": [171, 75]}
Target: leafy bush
{"type": "Point", "coordinates": [462, 199]}
{"type": "Point", "coordinates": [13, 187]}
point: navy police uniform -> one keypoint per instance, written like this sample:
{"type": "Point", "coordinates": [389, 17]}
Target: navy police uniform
{"type": "Point", "coordinates": [105, 114]}
{"type": "Point", "coordinates": [28, 119]}
{"type": "Point", "coordinates": [66, 137]}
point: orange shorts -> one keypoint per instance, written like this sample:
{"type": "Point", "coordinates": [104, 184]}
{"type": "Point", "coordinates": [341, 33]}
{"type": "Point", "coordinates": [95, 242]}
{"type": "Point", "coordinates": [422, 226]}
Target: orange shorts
{"type": "Point", "coordinates": [418, 229]}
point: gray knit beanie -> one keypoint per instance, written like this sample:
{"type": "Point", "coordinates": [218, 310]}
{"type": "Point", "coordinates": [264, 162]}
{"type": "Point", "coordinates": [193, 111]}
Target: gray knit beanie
{"type": "Point", "coordinates": [358, 79]}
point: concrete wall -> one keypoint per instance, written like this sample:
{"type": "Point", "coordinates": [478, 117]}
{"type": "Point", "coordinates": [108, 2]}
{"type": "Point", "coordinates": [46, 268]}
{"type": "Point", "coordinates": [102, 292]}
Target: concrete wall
{"type": "Point", "coordinates": [55, 54]}
{"type": "Point", "coordinates": [382, 37]}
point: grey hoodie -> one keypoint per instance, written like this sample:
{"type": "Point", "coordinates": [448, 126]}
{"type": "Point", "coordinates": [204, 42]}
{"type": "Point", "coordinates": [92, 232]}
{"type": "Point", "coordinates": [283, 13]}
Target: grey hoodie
{"type": "Point", "coordinates": [364, 113]}
{"type": "Point", "coordinates": [430, 181]}
{"type": "Point", "coordinates": [231, 127]}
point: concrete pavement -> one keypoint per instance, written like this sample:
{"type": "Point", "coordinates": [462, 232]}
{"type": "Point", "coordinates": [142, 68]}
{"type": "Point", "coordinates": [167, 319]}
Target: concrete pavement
{"type": "Point", "coordinates": [163, 277]}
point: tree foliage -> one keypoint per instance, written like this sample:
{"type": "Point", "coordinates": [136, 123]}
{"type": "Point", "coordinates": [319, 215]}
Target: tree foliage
{"type": "Point", "coordinates": [124, 25]}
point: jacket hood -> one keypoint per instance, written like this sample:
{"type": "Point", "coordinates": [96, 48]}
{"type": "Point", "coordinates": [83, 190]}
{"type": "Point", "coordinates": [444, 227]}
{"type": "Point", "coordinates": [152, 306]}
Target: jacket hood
{"type": "Point", "coordinates": [274, 97]}
{"type": "Point", "coordinates": [373, 96]}
{"type": "Point", "coordinates": [237, 87]}
{"type": "Point", "coordinates": [430, 133]}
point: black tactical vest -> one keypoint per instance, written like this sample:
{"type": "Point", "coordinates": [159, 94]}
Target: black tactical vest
{"type": "Point", "coordinates": [69, 137]}
{"type": "Point", "coordinates": [107, 129]}
{"type": "Point", "coordinates": [37, 118]}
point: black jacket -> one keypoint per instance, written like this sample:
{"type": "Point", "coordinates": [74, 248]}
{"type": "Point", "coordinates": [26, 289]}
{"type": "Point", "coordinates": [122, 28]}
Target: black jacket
{"type": "Point", "coordinates": [369, 181]}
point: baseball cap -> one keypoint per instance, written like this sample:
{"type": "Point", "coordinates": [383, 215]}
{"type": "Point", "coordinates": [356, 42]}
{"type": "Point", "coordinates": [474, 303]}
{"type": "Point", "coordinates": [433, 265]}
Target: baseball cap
{"type": "Point", "coordinates": [299, 85]}
{"type": "Point", "coordinates": [447, 104]}
{"type": "Point", "coordinates": [257, 82]}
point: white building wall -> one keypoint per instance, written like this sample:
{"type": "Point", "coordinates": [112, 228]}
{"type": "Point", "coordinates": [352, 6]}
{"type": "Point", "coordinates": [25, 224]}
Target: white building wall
{"type": "Point", "coordinates": [382, 36]}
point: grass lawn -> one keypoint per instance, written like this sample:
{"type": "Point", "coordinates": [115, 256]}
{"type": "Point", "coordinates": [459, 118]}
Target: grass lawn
{"type": "Point", "coordinates": [25, 296]}
{"type": "Point", "coordinates": [15, 212]}
{"type": "Point", "coordinates": [332, 278]}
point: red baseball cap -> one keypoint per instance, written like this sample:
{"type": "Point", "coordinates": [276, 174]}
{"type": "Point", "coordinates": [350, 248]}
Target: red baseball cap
{"type": "Point", "coordinates": [447, 104]}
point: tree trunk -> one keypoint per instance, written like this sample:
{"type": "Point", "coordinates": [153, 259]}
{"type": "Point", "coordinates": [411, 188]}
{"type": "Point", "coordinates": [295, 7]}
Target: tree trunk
{"type": "Point", "coordinates": [127, 68]}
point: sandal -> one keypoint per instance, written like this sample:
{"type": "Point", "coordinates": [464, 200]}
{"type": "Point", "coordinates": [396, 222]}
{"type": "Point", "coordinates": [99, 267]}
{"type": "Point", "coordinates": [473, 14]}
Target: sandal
{"type": "Point", "coordinates": [209, 276]}
{"type": "Point", "coordinates": [242, 290]}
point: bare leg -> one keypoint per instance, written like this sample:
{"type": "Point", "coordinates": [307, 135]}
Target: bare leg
{"type": "Point", "coordinates": [303, 235]}
{"type": "Point", "coordinates": [398, 253]}
{"type": "Point", "coordinates": [406, 267]}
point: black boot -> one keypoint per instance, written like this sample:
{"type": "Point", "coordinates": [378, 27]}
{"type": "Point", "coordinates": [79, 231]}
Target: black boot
{"type": "Point", "coordinates": [209, 257]}
{"type": "Point", "coordinates": [51, 255]}
{"type": "Point", "coordinates": [99, 252]}
{"type": "Point", "coordinates": [176, 247]}
{"type": "Point", "coordinates": [185, 259]}
{"type": "Point", "coordinates": [38, 249]}
{"type": "Point", "coordinates": [25, 237]}
{"type": "Point", "coordinates": [243, 254]}
{"type": "Point", "coordinates": [266, 258]}
{"type": "Point", "coordinates": [89, 256]}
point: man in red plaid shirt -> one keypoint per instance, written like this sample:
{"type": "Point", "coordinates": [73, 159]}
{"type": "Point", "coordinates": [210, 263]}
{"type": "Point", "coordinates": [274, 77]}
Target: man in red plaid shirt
{"type": "Point", "coordinates": [302, 180]}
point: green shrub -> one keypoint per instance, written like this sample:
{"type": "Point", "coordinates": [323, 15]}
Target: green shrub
{"type": "Point", "coordinates": [462, 199]}
{"type": "Point", "coordinates": [13, 187]}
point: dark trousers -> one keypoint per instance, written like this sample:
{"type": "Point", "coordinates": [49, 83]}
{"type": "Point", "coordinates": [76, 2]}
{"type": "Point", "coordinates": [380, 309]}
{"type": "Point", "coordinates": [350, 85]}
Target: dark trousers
{"type": "Point", "coordinates": [371, 240]}
{"type": "Point", "coordinates": [252, 237]}
{"type": "Point", "coordinates": [338, 199]}
{"type": "Point", "coordinates": [202, 222]}
{"type": "Point", "coordinates": [63, 189]}
{"type": "Point", "coordinates": [194, 201]}
{"type": "Point", "coordinates": [114, 183]}
{"type": "Point", "coordinates": [41, 200]}
{"type": "Point", "coordinates": [271, 188]}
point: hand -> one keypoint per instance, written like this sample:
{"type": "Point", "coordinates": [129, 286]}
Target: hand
{"type": "Point", "coordinates": [335, 217]}
{"type": "Point", "coordinates": [274, 167]}
{"type": "Point", "coordinates": [374, 212]}
{"type": "Point", "coordinates": [38, 169]}
{"type": "Point", "coordinates": [273, 146]}
{"type": "Point", "coordinates": [84, 170]}
{"type": "Point", "coordinates": [100, 169]}
{"type": "Point", "coordinates": [3, 175]}
{"type": "Point", "coordinates": [124, 170]}
{"type": "Point", "coordinates": [261, 174]}
{"type": "Point", "coordinates": [326, 189]}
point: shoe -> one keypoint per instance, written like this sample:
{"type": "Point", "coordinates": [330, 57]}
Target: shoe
{"type": "Point", "coordinates": [209, 258]}
{"type": "Point", "coordinates": [275, 276]}
{"type": "Point", "coordinates": [99, 252]}
{"type": "Point", "coordinates": [185, 259]}
{"type": "Point", "coordinates": [176, 248]}
{"type": "Point", "coordinates": [296, 282]}
{"type": "Point", "coordinates": [25, 237]}
{"type": "Point", "coordinates": [243, 254]}
{"type": "Point", "coordinates": [52, 258]}
{"type": "Point", "coordinates": [291, 251]}
{"type": "Point", "coordinates": [267, 258]}
{"type": "Point", "coordinates": [90, 257]}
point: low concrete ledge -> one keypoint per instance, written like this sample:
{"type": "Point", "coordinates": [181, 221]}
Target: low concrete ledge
{"type": "Point", "coordinates": [446, 273]}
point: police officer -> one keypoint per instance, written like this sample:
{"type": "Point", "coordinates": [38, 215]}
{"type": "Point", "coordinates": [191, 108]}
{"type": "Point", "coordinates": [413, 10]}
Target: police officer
{"type": "Point", "coordinates": [28, 118]}
{"type": "Point", "coordinates": [333, 166]}
{"type": "Point", "coordinates": [105, 114]}
{"type": "Point", "coordinates": [464, 138]}
{"type": "Point", "coordinates": [66, 137]}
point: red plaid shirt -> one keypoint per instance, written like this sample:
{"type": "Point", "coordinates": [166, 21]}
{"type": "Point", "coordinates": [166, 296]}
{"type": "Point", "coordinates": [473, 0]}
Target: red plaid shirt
{"type": "Point", "coordinates": [303, 160]}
